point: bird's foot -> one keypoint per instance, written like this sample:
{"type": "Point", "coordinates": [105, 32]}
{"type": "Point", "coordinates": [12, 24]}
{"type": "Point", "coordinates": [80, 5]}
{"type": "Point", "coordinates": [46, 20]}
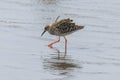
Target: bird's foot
{"type": "Point", "coordinates": [50, 45]}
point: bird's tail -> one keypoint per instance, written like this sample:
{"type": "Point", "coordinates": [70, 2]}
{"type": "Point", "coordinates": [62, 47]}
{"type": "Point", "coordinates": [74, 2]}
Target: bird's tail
{"type": "Point", "coordinates": [80, 27]}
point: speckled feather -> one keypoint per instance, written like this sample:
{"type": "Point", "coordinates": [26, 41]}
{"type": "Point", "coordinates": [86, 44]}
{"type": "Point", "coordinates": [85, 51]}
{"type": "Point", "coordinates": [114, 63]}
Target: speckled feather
{"type": "Point", "coordinates": [64, 27]}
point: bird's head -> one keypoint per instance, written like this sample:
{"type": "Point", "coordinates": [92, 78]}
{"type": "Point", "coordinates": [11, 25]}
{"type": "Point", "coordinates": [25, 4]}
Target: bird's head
{"type": "Point", "coordinates": [45, 29]}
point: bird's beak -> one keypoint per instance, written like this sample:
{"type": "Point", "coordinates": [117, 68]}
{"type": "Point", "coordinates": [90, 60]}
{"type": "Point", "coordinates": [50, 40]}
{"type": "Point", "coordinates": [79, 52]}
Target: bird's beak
{"type": "Point", "coordinates": [43, 33]}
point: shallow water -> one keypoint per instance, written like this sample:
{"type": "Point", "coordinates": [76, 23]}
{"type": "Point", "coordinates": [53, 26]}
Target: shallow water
{"type": "Point", "coordinates": [93, 53]}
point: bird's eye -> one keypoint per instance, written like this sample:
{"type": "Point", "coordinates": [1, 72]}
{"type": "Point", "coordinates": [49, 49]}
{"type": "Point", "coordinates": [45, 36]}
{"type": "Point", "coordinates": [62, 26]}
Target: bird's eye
{"type": "Point", "coordinates": [46, 28]}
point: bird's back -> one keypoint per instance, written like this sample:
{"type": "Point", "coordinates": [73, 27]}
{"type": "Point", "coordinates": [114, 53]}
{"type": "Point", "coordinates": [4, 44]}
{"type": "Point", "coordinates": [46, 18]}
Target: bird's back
{"type": "Point", "coordinates": [65, 27]}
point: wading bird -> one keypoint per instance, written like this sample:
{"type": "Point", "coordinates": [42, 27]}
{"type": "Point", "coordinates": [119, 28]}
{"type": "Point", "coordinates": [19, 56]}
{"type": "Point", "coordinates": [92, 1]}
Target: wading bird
{"type": "Point", "coordinates": [61, 28]}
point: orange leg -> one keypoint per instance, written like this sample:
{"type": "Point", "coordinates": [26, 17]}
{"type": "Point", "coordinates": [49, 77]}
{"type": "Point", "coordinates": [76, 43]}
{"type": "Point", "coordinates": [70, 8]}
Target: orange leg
{"type": "Point", "coordinates": [50, 45]}
{"type": "Point", "coordinates": [65, 45]}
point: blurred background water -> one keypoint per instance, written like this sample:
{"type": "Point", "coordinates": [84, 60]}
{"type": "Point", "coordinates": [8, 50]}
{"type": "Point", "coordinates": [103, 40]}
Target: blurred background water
{"type": "Point", "coordinates": [93, 53]}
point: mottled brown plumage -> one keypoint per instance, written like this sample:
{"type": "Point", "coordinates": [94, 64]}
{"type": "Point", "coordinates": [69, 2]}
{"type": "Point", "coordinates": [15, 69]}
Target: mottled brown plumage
{"type": "Point", "coordinates": [62, 28]}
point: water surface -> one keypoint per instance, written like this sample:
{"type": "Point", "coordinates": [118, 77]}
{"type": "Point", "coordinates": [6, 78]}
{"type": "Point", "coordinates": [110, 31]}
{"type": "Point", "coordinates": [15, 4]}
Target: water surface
{"type": "Point", "coordinates": [93, 53]}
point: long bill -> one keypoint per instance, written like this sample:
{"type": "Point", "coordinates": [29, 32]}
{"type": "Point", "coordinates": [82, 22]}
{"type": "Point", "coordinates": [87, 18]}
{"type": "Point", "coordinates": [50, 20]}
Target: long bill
{"type": "Point", "coordinates": [43, 33]}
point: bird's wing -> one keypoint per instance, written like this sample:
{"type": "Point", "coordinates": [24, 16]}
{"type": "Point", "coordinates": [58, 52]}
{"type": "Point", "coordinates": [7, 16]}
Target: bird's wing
{"type": "Point", "coordinates": [66, 25]}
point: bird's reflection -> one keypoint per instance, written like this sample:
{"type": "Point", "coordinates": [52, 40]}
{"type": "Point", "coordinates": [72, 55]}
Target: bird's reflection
{"type": "Point", "coordinates": [60, 65]}
{"type": "Point", "coordinates": [60, 55]}
{"type": "Point", "coordinates": [57, 51]}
